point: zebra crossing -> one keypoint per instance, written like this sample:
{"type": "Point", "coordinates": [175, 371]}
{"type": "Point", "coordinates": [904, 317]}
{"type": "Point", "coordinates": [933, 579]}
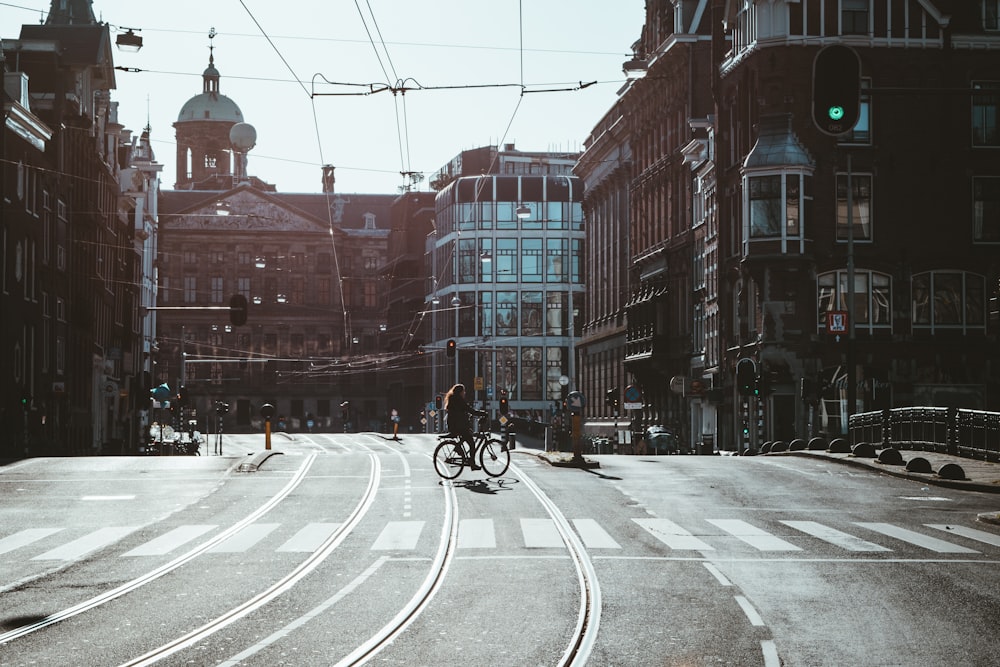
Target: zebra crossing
{"type": "Point", "coordinates": [55, 544]}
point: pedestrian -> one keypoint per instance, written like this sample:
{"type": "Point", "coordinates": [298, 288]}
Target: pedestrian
{"type": "Point", "coordinates": [458, 419]}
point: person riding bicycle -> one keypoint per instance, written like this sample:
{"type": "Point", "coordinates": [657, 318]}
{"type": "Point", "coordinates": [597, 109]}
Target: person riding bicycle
{"type": "Point", "coordinates": [458, 419]}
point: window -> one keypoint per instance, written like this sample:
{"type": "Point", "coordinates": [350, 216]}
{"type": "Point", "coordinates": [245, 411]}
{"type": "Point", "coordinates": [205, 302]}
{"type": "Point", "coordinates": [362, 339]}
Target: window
{"type": "Point", "coordinates": [531, 313]}
{"type": "Point", "coordinates": [531, 260]}
{"type": "Point", "coordinates": [775, 205]}
{"type": "Point", "coordinates": [555, 261]}
{"type": "Point", "coordinates": [862, 131]}
{"type": "Point", "coordinates": [853, 17]}
{"type": "Point", "coordinates": [506, 260]}
{"type": "Point", "coordinates": [486, 313]}
{"type": "Point", "coordinates": [991, 14]}
{"type": "Point", "coordinates": [948, 299]}
{"type": "Point", "coordinates": [190, 289]}
{"type": "Point", "coordinates": [468, 261]}
{"type": "Point", "coordinates": [861, 206]}
{"type": "Point", "coordinates": [217, 289]}
{"type": "Point", "coordinates": [872, 301]}
{"type": "Point", "coordinates": [323, 291]}
{"type": "Point", "coordinates": [984, 113]}
{"type": "Point", "coordinates": [986, 210]}
{"type": "Point", "coordinates": [506, 314]}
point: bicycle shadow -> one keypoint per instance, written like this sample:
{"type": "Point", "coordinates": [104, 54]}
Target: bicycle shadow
{"type": "Point", "coordinates": [486, 487]}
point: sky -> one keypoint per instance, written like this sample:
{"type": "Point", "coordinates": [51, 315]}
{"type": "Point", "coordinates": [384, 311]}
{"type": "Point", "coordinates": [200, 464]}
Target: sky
{"type": "Point", "coordinates": [464, 64]}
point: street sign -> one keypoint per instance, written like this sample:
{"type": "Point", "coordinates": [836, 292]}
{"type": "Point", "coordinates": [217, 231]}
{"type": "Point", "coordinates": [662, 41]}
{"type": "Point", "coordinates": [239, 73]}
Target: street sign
{"type": "Point", "coordinates": [478, 383]}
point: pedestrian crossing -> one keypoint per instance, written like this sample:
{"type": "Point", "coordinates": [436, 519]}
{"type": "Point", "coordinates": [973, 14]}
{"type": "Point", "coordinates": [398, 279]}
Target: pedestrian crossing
{"type": "Point", "coordinates": [719, 535]}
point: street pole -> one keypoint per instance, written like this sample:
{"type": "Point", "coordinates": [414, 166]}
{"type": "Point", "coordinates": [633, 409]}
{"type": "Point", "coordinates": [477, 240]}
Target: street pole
{"type": "Point", "coordinates": [852, 389]}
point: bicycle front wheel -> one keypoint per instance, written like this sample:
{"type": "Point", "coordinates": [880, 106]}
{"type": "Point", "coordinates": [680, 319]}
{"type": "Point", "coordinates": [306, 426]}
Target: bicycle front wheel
{"type": "Point", "coordinates": [494, 457]}
{"type": "Point", "coordinates": [449, 459]}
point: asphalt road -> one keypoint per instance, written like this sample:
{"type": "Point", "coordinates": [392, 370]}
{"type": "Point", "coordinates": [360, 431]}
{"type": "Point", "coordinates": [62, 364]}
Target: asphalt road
{"type": "Point", "coordinates": [347, 548]}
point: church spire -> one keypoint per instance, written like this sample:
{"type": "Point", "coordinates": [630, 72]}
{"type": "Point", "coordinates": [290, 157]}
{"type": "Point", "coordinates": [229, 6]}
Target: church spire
{"type": "Point", "coordinates": [210, 77]}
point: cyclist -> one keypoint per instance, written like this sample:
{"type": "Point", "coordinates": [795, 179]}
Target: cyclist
{"type": "Point", "coordinates": [458, 419]}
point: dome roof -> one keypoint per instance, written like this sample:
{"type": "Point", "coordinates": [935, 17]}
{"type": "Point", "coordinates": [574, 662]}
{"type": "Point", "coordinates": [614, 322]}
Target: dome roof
{"type": "Point", "coordinates": [210, 106]}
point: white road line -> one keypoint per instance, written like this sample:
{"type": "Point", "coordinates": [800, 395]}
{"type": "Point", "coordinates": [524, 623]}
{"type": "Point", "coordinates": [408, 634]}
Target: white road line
{"type": "Point", "coordinates": [167, 542]}
{"type": "Point", "coordinates": [24, 538]}
{"type": "Point", "coordinates": [770, 651]}
{"type": "Point", "coordinates": [755, 537]}
{"type": "Point", "coordinates": [310, 538]}
{"type": "Point", "coordinates": [107, 498]}
{"type": "Point", "coordinates": [918, 539]}
{"type": "Point", "coordinates": [834, 536]}
{"type": "Point", "coordinates": [717, 573]}
{"type": "Point", "coordinates": [476, 534]}
{"type": "Point", "coordinates": [541, 534]}
{"type": "Point", "coordinates": [672, 535]}
{"type": "Point", "coordinates": [971, 533]}
{"type": "Point", "coordinates": [244, 539]}
{"type": "Point", "coordinates": [86, 544]}
{"type": "Point", "coordinates": [593, 536]}
{"type": "Point", "coordinates": [399, 535]}
{"type": "Point", "coordinates": [751, 613]}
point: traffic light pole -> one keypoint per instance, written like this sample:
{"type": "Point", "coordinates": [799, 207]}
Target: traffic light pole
{"type": "Point", "coordinates": [852, 386]}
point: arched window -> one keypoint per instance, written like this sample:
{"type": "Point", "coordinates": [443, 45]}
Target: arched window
{"type": "Point", "coordinates": [872, 298]}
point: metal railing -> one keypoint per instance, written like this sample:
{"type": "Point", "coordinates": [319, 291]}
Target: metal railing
{"type": "Point", "coordinates": [969, 433]}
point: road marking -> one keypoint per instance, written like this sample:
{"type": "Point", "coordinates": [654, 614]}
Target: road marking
{"type": "Point", "coordinates": [971, 533]}
{"type": "Point", "coordinates": [476, 534]}
{"type": "Point", "coordinates": [399, 535]}
{"type": "Point", "coordinates": [167, 542]}
{"type": "Point", "coordinates": [310, 538]}
{"type": "Point", "coordinates": [918, 539]}
{"type": "Point", "coordinates": [107, 498]}
{"type": "Point", "coordinates": [593, 536]}
{"type": "Point", "coordinates": [244, 539]}
{"type": "Point", "coordinates": [834, 536]}
{"type": "Point", "coordinates": [748, 609]}
{"type": "Point", "coordinates": [755, 537]}
{"type": "Point", "coordinates": [717, 573]}
{"type": "Point", "coordinates": [540, 534]}
{"type": "Point", "coordinates": [770, 651]}
{"type": "Point", "coordinates": [86, 544]}
{"type": "Point", "coordinates": [672, 535]}
{"type": "Point", "coordinates": [24, 538]}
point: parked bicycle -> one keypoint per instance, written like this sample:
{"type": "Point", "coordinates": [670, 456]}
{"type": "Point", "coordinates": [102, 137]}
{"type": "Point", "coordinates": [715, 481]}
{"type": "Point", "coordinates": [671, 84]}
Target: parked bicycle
{"type": "Point", "coordinates": [493, 454]}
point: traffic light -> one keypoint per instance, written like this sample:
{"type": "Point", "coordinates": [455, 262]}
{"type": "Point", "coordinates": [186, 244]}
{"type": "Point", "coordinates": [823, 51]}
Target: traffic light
{"type": "Point", "coordinates": [438, 402]}
{"type": "Point", "coordinates": [504, 406]}
{"type": "Point", "coordinates": [237, 310]}
{"type": "Point", "coordinates": [836, 89]}
{"type": "Point", "coordinates": [746, 377]}
{"type": "Point", "coordinates": [450, 347]}
{"type": "Point", "coordinates": [182, 397]}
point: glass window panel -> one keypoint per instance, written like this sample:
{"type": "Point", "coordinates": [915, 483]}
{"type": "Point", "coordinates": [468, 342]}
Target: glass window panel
{"type": "Point", "coordinates": [506, 217]}
{"type": "Point", "coordinates": [486, 262]}
{"type": "Point", "coordinates": [507, 375]}
{"type": "Point", "coordinates": [556, 315]}
{"type": "Point", "coordinates": [486, 313]}
{"type": "Point", "coordinates": [467, 314]}
{"type": "Point", "coordinates": [506, 314]}
{"type": "Point", "coordinates": [975, 308]}
{"type": "Point", "coordinates": [531, 260]}
{"type": "Point", "coordinates": [765, 206]}
{"type": "Point", "coordinates": [531, 313]}
{"type": "Point", "coordinates": [922, 299]}
{"type": "Point", "coordinates": [554, 369]}
{"type": "Point", "coordinates": [555, 261]}
{"type": "Point", "coordinates": [505, 259]}
{"type": "Point", "coordinates": [984, 114]}
{"type": "Point", "coordinates": [793, 204]}
{"type": "Point", "coordinates": [986, 209]}
{"type": "Point", "coordinates": [947, 298]}
{"type": "Point", "coordinates": [468, 261]}
{"type": "Point", "coordinates": [555, 215]}
{"type": "Point", "coordinates": [861, 206]}
{"type": "Point", "coordinates": [531, 373]}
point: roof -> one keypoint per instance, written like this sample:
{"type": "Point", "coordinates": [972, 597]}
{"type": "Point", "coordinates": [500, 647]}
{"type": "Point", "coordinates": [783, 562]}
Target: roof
{"type": "Point", "coordinates": [210, 107]}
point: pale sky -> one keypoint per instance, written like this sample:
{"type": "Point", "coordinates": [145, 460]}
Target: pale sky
{"type": "Point", "coordinates": [485, 49]}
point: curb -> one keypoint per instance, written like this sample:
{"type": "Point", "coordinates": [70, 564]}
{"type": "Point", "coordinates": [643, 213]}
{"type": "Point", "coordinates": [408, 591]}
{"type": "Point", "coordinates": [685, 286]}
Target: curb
{"type": "Point", "coordinates": [253, 465]}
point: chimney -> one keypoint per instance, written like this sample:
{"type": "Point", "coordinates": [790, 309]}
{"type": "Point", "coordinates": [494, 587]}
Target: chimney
{"type": "Point", "coordinates": [328, 179]}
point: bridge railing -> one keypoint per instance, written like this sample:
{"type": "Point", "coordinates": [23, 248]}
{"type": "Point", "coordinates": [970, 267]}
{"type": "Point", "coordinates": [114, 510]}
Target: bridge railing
{"type": "Point", "coordinates": [969, 433]}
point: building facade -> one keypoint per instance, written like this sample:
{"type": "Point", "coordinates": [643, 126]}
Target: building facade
{"type": "Point", "coordinates": [72, 361]}
{"type": "Point", "coordinates": [851, 272]}
{"type": "Point", "coordinates": [506, 281]}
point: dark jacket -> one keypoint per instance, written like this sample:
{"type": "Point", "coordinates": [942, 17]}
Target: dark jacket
{"type": "Point", "coordinates": [458, 414]}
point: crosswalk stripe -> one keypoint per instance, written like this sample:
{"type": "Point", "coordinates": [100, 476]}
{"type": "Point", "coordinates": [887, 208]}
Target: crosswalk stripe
{"type": "Point", "coordinates": [167, 542]}
{"type": "Point", "coordinates": [244, 539]}
{"type": "Point", "coordinates": [24, 538]}
{"type": "Point", "coordinates": [86, 544]}
{"type": "Point", "coordinates": [755, 537]}
{"type": "Point", "coordinates": [593, 536]}
{"type": "Point", "coordinates": [398, 536]}
{"type": "Point", "coordinates": [540, 534]}
{"type": "Point", "coordinates": [476, 534]}
{"type": "Point", "coordinates": [310, 538]}
{"type": "Point", "coordinates": [672, 535]}
{"type": "Point", "coordinates": [971, 533]}
{"type": "Point", "coordinates": [834, 536]}
{"type": "Point", "coordinates": [918, 539]}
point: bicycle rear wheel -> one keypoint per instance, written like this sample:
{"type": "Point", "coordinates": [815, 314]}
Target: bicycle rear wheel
{"type": "Point", "coordinates": [494, 457]}
{"type": "Point", "coordinates": [449, 459]}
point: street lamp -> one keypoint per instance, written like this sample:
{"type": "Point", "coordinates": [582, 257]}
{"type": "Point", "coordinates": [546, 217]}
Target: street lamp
{"type": "Point", "coordinates": [129, 41]}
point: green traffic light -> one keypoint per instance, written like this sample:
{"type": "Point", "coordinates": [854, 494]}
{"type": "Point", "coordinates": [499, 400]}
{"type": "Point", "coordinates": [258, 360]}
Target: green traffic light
{"type": "Point", "coordinates": [835, 112]}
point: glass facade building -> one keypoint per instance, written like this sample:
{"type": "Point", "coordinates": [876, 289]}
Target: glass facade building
{"type": "Point", "coordinates": [506, 283]}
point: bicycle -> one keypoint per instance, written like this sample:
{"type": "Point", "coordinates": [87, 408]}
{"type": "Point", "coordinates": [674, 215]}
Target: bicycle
{"type": "Point", "coordinates": [450, 458]}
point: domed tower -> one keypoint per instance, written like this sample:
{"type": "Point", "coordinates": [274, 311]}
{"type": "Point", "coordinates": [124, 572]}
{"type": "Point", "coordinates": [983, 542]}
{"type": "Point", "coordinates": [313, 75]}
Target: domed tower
{"type": "Point", "coordinates": [204, 158]}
